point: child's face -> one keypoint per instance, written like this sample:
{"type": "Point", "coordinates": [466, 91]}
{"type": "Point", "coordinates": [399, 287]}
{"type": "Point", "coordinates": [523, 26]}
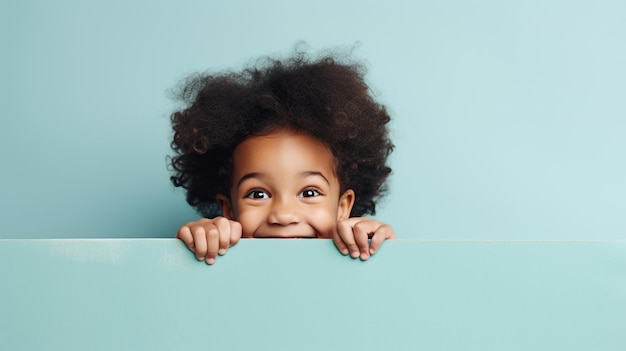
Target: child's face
{"type": "Point", "coordinates": [284, 185]}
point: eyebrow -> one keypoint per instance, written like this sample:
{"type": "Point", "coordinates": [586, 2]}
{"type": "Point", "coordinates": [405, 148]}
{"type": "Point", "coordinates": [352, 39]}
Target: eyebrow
{"type": "Point", "coordinates": [248, 176]}
{"type": "Point", "coordinates": [314, 173]}
{"type": "Point", "coordinates": [261, 175]}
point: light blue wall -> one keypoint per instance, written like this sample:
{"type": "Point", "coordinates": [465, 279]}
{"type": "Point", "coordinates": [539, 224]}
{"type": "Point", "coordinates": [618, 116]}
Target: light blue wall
{"type": "Point", "coordinates": [152, 294]}
{"type": "Point", "coordinates": [509, 115]}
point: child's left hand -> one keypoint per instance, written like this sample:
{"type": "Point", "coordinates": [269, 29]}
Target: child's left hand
{"type": "Point", "coordinates": [361, 236]}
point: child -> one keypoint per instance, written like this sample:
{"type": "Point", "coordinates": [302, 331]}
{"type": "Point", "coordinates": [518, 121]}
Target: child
{"type": "Point", "coordinates": [286, 149]}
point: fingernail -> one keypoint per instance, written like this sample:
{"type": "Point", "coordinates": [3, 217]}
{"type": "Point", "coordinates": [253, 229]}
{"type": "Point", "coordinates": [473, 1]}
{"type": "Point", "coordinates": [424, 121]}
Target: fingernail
{"type": "Point", "coordinates": [354, 254]}
{"type": "Point", "coordinates": [365, 256]}
{"type": "Point", "coordinates": [199, 258]}
{"type": "Point", "coordinates": [221, 251]}
{"type": "Point", "coordinates": [210, 260]}
{"type": "Point", "coordinates": [372, 251]}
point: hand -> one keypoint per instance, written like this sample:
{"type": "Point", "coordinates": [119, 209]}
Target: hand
{"type": "Point", "coordinates": [209, 237]}
{"type": "Point", "coordinates": [353, 236]}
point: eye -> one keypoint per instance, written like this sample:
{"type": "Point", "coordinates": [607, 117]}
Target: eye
{"type": "Point", "coordinates": [257, 194]}
{"type": "Point", "coordinates": [310, 193]}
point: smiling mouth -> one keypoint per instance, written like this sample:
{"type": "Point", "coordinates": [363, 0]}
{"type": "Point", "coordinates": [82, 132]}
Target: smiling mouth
{"type": "Point", "coordinates": [286, 237]}
{"type": "Point", "coordinates": [279, 235]}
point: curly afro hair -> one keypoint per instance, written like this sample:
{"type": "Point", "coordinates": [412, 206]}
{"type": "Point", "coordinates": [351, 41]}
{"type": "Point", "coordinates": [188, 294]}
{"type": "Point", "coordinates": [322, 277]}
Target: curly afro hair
{"type": "Point", "coordinates": [324, 98]}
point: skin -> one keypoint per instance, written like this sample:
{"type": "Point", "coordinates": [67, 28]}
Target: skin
{"type": "Point", "coordinates": [284, 186]}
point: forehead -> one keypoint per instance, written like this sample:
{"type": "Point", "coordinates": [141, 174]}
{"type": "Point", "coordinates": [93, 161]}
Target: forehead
{"type": "Point", "coordinates": [285, 150]}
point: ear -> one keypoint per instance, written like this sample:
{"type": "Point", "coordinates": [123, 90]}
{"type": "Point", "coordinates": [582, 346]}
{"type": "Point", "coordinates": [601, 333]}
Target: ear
{"type": "Point", "coordinates": [227, 209]}
{"type": "Point", "coordinates": [346, 201]}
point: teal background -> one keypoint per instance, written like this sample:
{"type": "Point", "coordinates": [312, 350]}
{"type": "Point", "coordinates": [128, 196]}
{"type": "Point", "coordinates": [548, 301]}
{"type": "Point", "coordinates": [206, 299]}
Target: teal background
{"type": "Point", "coordinates": [509, 116]}
{"type": "Point", "coordinates": [273, 294]}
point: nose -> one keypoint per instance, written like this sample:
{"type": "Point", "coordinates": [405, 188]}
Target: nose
{"type": "Point", "coordinates": [283, 212]}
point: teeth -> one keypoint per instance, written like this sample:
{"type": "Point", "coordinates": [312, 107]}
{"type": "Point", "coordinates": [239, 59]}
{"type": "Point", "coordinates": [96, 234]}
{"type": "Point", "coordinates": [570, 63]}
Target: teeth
{"type": "Point", "coordinates": [286, 236]}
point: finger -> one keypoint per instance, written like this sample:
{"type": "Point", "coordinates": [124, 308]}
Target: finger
{"type": "Point", "coordinates": [213, 243]}
{"type": "Point", "coordinates": [184, 234]}
{"type": "Point", "coordinates": [341, 246]}
{"type": "Point", "coordinates": [384, 232]}
{"type": "Point", "coordinates": [224, 228]}
{"type": "Point", "coordinates": [361, 232]}
{"type": "Point", "coordinates": [235, 232]}
{"type": "Point", "coordinates": [346, 235]}
{"type": "Point", "coordinates": [199, 237]}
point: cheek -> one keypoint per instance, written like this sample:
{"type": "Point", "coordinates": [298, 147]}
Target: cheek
{"type": "Point", "coordinates": [324, 221]}
{"type": "Point", "coordinates": [250, 220]}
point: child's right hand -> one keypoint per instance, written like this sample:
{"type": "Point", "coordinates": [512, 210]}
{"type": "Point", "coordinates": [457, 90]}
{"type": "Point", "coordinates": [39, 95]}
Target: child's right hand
{"type": "Point", "coordinates": [209, 237]}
